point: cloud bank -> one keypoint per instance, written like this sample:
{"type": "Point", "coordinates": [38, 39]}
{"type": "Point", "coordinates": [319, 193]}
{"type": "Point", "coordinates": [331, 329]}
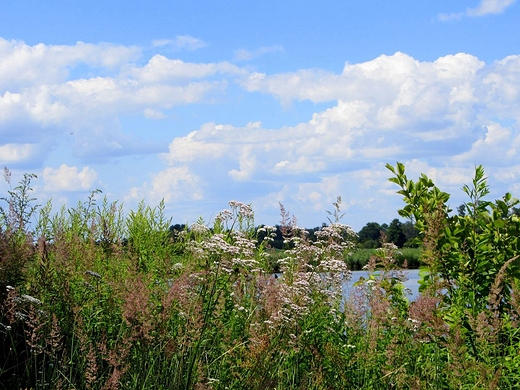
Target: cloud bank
{"type": "Point", "coordinates": [439, 117]}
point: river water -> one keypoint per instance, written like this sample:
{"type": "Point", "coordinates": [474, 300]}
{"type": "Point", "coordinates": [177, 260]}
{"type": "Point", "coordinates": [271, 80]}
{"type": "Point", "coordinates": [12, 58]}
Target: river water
{"type": "Point", "coordinates": [412, 282]}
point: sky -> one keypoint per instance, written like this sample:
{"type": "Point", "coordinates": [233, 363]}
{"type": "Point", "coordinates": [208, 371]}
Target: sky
{"type": "Point", "coordinates": [199, 102]}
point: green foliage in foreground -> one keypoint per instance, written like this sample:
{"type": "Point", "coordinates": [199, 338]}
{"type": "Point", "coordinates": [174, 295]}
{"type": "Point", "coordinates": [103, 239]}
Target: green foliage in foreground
{"type": "Point", "coordinates": [94, 299]}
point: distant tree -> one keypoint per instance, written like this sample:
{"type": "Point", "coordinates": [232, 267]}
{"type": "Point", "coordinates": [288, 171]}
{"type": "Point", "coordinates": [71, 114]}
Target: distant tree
{"type": "Point", "coordinates": [370, 232]}
{"type": "Point", "coordinates": [370, 244]}
{"type": "Point", "coordinates": [395, 234]}
{"type": "Point", "coordinates": [411, 233]}
{"type": "Point", "coordinates": [461, 210]}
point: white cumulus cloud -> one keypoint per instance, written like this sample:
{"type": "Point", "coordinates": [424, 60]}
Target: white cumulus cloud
{"type": "Point", "coordinates": [393, 108]}
{"type": "Point", "coordinates": [16, 153]}
{"type": "Point", "coordinates": [42, 99]}
{"type": "Point", "coordinates": [173, 184]}
{"type": "Point", "coordinates": [67, 178]}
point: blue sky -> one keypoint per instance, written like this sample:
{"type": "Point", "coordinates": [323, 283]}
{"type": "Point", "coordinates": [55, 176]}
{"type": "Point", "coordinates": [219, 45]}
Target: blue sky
{"type": "Point", "coordinates": [202, 102]}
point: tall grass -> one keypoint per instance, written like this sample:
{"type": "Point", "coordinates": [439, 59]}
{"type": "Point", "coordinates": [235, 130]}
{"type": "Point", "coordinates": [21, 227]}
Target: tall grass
{"type": "Point", "coordinates": [92, 298]}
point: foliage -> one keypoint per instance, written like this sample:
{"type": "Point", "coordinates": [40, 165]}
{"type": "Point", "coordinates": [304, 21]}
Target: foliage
{"type": "Point", "coordinates": [104, 300]}
{"type": "Point", "coordinates": [371, 232]}
{"type": "Point", "coordinates": [398, 233]}
{"type": "Point", "coordinates": [472, 257]}
{"type": "Point", "coordinates": [394, 233]}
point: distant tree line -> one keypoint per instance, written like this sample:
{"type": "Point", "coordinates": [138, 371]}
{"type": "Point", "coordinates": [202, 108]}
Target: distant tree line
{"type": "Point", "coordinates": [400, 233]}
{"type": "Point", "coordinates": [370, 236]}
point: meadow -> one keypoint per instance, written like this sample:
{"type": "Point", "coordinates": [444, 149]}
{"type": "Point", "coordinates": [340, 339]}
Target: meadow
{"type": "Point", "coordinates": [95, 298]}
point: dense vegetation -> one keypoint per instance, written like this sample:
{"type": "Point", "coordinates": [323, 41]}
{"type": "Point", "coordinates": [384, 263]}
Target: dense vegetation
{"type": "Point", "coordinates": [91, 298]}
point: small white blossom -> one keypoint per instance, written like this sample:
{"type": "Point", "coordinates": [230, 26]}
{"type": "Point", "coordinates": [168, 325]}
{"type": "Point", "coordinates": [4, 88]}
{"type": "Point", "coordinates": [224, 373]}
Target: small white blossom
{"type": "Point", "coordinates": [177, 266]}
{"type": "Point", "coordinates": [28, 298]}
{"type": "Point", "coordinates": [93, 274]}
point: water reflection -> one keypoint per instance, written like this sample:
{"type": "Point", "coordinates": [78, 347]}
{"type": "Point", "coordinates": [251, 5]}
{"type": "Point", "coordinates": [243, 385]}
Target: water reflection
{"type": "Point", "coordinates": [411, 283]}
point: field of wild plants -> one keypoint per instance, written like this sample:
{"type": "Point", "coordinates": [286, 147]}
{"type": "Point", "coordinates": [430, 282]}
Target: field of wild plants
{"type": "Point", "coordinates": [92, 298]}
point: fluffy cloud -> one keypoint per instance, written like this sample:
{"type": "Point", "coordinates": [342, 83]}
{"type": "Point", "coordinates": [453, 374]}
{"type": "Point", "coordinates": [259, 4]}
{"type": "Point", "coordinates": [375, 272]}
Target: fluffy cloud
{"type": "Point", "coordinates": [162, 69]}
{"type": "Point", "coordinates": [499, 146]}
{"type": "Point", "coordinates": [174, 184]}
{"type": "Point", "coordinates": [391, 108]}
{"type": "Point", "coordinates": [15, 153]}
{"type": "Point", "coordinates": [385, 108]}
{"type": "Point", "coordinates": [453, 112]}
{"type": "Point", "coordinates": [22, 65]}
{"type": "Point", "coordinates": [42, 99]}
{"type": "Point", "coordinates": [67, 178]}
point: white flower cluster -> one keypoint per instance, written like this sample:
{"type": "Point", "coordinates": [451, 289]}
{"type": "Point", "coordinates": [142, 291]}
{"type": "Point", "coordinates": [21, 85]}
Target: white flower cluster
{"type": "Point", "coordinates": [199, 228]}
{"type": "Point", "coordinates": [414, 324]}
{"type": "Point", "coordinates": [224, 216]}
{"type": "Point", "coordinates": [227, 251]}
{"type": "Point", "coordinates": [243, 210]}
{"type": "Point", "coordinates": [312, 271]}
{"type": "Point", "coordinates": [29, 299]}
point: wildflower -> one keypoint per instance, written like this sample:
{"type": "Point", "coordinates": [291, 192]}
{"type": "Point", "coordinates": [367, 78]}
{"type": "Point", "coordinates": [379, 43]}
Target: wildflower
{"type": "Point", "coordinates": [177, 266]}
{"type": "Point", "coordinates": [6, 327]}
{"type": "Point", "coordinates": [416, 324]}
{"type": "Point", "coordinates": [224, 215]}
{"type": "Point", "coordinates": [20, 316]}
{"type": "Point", "coordinates": [28, 298]}
{"type": "Point", "coordinates": [93, 274]}
{"type": "Point", "coordinates": [199, 228]}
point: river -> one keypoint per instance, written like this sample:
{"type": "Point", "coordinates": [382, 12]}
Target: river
{"type": "Point", "coordinates": [411, 283]}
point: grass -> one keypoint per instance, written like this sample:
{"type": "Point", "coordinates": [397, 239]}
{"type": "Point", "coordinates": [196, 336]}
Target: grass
{"type": "Point", "coordinates": [407, 257]}
{"type": "Point", "coordinates": [94, 299]}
